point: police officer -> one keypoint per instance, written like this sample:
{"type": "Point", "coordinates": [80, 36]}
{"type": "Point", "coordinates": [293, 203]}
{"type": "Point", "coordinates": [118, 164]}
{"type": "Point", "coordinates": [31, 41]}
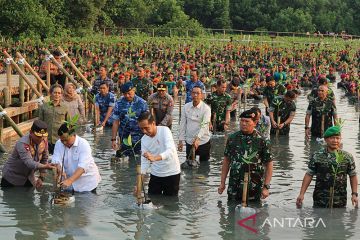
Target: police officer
{"type": "Point", "coordinates": [161, 105]}
{"type": "Point", "coordinates": [220, 104]}
{"type": "Point", "coordinates": [104, 103]}
{"type": "Point", "coordinates": [330, 165]}
{"type": "Point", "coordinates": [127, 109]}
{"type": "Point", "coordinates": [30, 154]}
{"type": "Point", "coordinates": [246, 152]}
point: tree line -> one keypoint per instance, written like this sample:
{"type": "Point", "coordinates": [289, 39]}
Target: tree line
{"type": "Point", "coordinates": [52, 18]}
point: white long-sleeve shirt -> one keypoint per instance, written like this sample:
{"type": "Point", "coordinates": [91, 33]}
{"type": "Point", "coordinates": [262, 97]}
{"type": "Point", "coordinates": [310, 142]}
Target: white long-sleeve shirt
{"type": "Point", "coordinates": [161, 144]}
{"type": "Point", "coordinates": [78, 155]}
{"type": "Point", "coordinates": [195, 123]}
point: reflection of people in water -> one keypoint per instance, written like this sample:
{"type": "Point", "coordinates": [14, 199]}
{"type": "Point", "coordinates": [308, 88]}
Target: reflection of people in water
{"type": "Point", "coordinates": [336, 224]}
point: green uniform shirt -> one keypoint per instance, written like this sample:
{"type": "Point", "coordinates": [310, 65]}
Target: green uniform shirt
{"type": "Point", "coordinates": [329, 174]}
{"type": "Point", "coordinates": [246, 152]}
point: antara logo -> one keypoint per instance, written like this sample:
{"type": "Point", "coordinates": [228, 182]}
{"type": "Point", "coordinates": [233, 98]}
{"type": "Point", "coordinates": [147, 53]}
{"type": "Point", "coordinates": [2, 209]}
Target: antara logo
{"type": "Point", "coordinates": [287, 222]}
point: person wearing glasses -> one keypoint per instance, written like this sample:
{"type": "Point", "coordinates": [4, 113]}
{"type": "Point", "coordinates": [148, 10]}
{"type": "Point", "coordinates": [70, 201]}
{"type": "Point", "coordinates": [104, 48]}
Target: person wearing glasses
{"type": "Point", "coordinates": [194, 126]}
{"type": "Point", "coordinates": [29, 155]}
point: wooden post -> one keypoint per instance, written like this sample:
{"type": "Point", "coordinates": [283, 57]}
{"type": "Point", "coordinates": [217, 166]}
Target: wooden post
{"type": "Point", "coordinates": [21, 85]}
{"type": "Point", "coordinates": [83, 78]}
{"type": "Point", "coordinates": [2, 149]}
{"type": "Point", "coordinates": [22, 74]}
{"type": "Point", "coordinates": [32, 71]}
{"type": "Point", "coordinates": [139, 184]}
{"type": "Point", "coordinates": [11, 123]}
{"type": "Point", "coordinates": [7, 98]}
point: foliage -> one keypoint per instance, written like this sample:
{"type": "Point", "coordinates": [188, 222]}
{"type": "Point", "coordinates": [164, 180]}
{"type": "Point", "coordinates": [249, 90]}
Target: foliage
{"type": "Point", "coordinates": [40, 19]}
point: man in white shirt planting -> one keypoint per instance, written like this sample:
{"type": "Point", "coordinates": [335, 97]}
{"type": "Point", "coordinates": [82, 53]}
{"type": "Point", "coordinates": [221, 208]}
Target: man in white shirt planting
{"type": "Point", "coordinates": [73, 154]}
{"type": "Point", "coordinates": [158, 151]}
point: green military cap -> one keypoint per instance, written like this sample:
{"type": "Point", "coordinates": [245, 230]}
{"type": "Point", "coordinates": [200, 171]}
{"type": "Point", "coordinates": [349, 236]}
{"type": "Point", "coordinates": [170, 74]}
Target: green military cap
{"type": "Point", "coordinates": [332, 131]}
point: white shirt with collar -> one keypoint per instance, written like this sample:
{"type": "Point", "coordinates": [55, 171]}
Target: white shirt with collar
{"type": "Point", "coordinates": [195, 122]}
{"type": "Point", "coordinates": [161, 144]}
{"type": "Point", "coordinates": [78, 155]}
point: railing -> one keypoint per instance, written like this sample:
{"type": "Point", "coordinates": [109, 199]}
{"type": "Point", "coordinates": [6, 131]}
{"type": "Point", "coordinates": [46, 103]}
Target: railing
{"type": "Point", "coordinates": [180, 32]}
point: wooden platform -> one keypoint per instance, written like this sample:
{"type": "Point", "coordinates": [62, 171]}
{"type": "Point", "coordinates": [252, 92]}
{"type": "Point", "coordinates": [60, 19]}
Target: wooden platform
{"type": "Point", "coordinates": [15, 83]}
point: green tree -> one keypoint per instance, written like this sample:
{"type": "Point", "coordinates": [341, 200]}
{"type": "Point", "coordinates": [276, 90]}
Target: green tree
{"type": "Point", "coordinates": [290, 20]}
{"type": "Point", "coordinates": [25, 18]}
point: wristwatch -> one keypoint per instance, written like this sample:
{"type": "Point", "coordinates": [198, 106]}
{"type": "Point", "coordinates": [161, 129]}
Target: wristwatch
{"type": "Point", "coordinates": [355, 194]}
{"type": "Point", "coordinates": [306, 127]}
{"type": "Point", "coordinates": [267, 186]}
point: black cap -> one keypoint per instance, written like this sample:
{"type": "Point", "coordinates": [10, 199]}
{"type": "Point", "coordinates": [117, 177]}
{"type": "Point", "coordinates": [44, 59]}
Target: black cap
{"type": "Point", "coordinates": [248, 114]}
{"type": "Point", "coordinates": [161, 87]}
{"type": "Point", "coordinates": [39, 128]}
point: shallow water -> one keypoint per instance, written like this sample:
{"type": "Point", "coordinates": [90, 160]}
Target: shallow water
{"type": "Point", "coordinates": [199, 212]}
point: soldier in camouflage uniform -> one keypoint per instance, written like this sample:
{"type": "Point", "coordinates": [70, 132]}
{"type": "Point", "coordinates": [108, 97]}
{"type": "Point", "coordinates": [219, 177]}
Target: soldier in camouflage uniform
{"type": "Point", "coordinates": [330, 165]}
{"type": "Point", "coordinates": [126, 111]}
{"type": "Point", "coordinates": [271, 91]}
{"type": "Point", "coordinates": [283, 107]}
{"type": "Point", "coordinates": [246, 151]}
{"type": "Point", "coordinates": [220, 104]}
{"type": "Point", "coordinates": [320, 109]}
{"type": "Point", "coordinates": [314, 91]}
{"type": "Point", "coordinates": [144, 87]}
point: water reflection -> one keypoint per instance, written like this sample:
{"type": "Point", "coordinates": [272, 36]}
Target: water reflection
{"type": "Point", "coordinates": [29, 211]}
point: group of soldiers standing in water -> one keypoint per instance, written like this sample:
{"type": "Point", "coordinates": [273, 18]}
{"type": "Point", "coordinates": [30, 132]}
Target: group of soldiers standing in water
{"type": "Point", "coordinates": [143, 114]}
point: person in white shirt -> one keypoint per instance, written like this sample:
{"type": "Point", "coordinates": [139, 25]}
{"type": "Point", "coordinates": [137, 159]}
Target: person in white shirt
{"type": "Point", "coordinates": [74, 152]}
{"type": "Point", "coordinates": [194, 126]}
{"type": "Point", "coordinates": [158, 151]}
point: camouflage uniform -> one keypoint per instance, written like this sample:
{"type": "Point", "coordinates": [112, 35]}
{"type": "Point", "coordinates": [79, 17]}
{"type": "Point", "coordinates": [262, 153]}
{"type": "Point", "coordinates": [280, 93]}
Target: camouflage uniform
{"type": "Point", "coordinates": [163, 108]}
{"type": "Point", "coordinates": [316, 108]}
{"type": "Point", "coordinates": [104, 102]}
{"type": "Point", "coordinates": [127, 113]}
{"type": "Point", "coordinates": [271, 93]}
{"type": "Point", "coordinates": [219, 105]}
{"type": "Point", "coordinates": [285, 110]}
{"type": "Point", "coordinates": [263, 127]}
{"type": "Point", "coordinates": [143, 87]}
{"type": "Point", "coordinates": [314, 94]}
{"type": "Point", "coordinates": [323, 165]}
{"type": "Point", "coordinates": [98, 82]}
{"type": "Point", "coordinates": [237, 146]}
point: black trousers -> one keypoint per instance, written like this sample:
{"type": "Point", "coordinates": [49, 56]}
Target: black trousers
{"type": "Point", "coordinates": [168, 186]}
{"type": "Point", "coordinates": [203, 151]}
{"type": "Point", "coordinates": [5, 183]}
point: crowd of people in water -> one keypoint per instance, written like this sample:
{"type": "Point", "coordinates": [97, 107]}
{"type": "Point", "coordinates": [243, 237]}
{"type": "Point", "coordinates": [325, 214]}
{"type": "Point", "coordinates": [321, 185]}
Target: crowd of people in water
{"type": "Point", "coordinates": [135, 88]}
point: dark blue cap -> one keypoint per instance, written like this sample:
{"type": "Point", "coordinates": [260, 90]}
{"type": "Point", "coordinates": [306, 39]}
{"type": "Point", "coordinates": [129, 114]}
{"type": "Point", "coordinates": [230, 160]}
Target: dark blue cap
{"type": "Point", "coordinates": [127, 87]}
